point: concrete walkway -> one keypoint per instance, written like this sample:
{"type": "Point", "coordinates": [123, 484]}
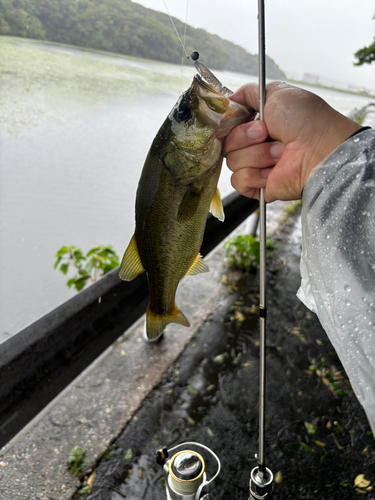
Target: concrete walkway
{"type": "Point", "coordinates": [96, 407]}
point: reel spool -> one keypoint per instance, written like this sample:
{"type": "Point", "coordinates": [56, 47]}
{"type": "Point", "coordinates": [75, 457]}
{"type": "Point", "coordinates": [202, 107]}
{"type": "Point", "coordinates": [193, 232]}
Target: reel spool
{"type": "Point", "coordinates": [184, 473]}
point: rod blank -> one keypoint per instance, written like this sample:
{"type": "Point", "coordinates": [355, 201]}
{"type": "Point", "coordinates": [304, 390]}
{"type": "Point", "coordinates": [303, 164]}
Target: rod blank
{"type": "Point", "coordinates": [262, 244]}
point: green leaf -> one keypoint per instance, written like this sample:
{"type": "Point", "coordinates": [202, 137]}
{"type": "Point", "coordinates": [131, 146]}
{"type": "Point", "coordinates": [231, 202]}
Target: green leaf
{"type": "Point", "coordinates": [90, 266]}
{"type": "Point", "coordinates": [108, 268]}
{"type": "Point", "coordinates": [71, 282]}
{"type": "Point", "coordinates": [94, 251]}
{"type": "Point", "coordinates": [210, 432]}
{"type": "Point", "coordinates": [310, 428]}
{"type": "Point", "coordinates": [340, 393]}
{"type": "Point", "coordinates": [128, 454]}
{"type": "Point", "coordinates": [78, 254]}
{"type": "Point", "coordinates": [57, 262]}
{"type": "Point", "coordinates": [80, 283]}
{"type": "Point", "coordinates": [192, 390]}
{"type": "Point", "coordinates": [62, 251]}
{"type": "Point", "coordinates": [306, 448]}
{"type": "Point", "coordinates": [64, 268]}
{"type": "Point", "coordinates": [85, 489]}
{"type": "Point", "coordinates": [319, 443]}
{"type": "Point", "coordinates": [293, 446]}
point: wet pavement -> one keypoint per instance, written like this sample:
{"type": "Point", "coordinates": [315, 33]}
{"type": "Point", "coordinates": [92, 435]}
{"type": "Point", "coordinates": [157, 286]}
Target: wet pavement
{"type": "Point", "coordinates": [318, 439]}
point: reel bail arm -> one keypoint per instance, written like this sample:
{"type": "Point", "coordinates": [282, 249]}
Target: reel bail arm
{"type": "Point", "coordinates": [184, 473]}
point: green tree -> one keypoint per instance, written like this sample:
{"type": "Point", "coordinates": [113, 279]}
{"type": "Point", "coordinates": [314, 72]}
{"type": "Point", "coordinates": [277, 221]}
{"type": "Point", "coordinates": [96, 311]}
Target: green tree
{"type": "Point", "coordinates": [17, 18]}
{"type": "Point", "coordinates": [365, 55]}
{"type": "Point", "coordinates": [125, 27]}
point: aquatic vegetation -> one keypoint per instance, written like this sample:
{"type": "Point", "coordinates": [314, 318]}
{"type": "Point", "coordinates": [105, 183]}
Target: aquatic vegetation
{"type": "Point", "coordinates": [91, 266]}
{"type": "Point", "coordinates": [45, 82]}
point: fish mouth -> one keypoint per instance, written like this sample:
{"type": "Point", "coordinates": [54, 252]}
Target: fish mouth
{"type": "Point", "coordinates": [216, 109]}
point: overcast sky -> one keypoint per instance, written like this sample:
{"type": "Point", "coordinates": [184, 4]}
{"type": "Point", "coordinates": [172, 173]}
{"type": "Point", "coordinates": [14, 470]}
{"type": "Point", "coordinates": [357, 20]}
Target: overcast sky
{"type": "Point", "coordinates": [302, 36]}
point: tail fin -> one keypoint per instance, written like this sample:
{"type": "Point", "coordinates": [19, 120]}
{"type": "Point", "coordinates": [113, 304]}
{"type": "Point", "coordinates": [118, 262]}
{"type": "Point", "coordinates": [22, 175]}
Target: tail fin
{"type": "Point", "coordinates": [156, 323]}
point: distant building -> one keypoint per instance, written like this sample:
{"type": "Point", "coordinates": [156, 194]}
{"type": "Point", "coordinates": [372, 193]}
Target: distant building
{"type": "Point", "coordinates": [310, 78]}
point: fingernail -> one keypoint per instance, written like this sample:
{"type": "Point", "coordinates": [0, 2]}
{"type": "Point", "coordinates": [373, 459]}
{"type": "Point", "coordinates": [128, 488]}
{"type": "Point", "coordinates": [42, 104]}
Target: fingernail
{"type": "Point", "coordinates": [255, 130]}
{"type": "Point", "coordinates": [265, 172]}
{"type": "Point", "coordinates": [277, 150]}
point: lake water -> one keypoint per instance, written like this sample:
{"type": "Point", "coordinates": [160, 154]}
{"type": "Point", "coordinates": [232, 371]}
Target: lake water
{"type": "Point", "coordinates": [75, 129]}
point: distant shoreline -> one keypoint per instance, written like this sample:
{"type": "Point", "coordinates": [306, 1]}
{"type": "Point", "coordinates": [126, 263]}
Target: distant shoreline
{"type": "Point", "coordinates": [320, 86]}
{"type": "Point", "coordinates": [116, 54]}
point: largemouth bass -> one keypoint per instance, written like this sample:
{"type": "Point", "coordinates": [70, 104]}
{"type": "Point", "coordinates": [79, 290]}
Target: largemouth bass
{"type": "Point", "coordinates": [177, 189]}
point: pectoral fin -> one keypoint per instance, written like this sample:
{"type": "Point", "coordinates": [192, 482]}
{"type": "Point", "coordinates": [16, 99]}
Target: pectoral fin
{"type": "Point", "coordinates": [198, 266]}
{"type": "Point", "coordinates": [216, 207]}
{"type": "Point", "coordinates": [189, 204]}
{"type": "Point", "coordinates": [131, 265]}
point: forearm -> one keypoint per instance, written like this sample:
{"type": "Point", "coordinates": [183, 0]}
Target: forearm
{"type": "Point", "coordinates": [338, 257]}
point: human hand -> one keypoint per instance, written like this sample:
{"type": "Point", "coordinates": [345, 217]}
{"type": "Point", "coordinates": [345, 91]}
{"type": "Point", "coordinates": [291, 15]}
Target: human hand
{"type": "Point", "coordinates": [302, 130]}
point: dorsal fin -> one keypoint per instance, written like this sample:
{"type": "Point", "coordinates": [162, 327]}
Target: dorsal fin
{"type": "Point", "coordinates": [131, 265]}
{"type": "Point", "coordinates": [216, 207]}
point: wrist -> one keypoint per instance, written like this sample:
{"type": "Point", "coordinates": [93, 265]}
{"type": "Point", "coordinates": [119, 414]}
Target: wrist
{"type": "Point", "coordinates": [338, 131]}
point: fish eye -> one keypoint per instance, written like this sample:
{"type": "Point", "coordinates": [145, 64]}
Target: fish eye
{"type": "Point", "coordinates": [184, 112]}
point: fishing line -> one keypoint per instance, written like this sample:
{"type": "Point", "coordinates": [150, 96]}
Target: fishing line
{"type": "Point", "coordinates": [184, 43]}
{"type": "Point", "coordinates": [205, 73]}
{"type": "Point", "coordinates": [174, 26]}
{"type": "Point", "coordinates": [186, 17]}
{"type": "Point", "coordinates": [178, 36]}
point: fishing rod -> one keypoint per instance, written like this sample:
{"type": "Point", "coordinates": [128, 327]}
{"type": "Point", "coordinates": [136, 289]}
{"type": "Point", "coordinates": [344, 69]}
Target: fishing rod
{"type": "Point", "coordinates": [184, 472]}
{"type": "Point", "coordinates": [261, 477]}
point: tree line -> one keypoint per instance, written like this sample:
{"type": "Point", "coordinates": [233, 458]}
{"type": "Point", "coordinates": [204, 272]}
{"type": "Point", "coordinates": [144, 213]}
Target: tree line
{"type": "Point", "coordinates": [124, 27]}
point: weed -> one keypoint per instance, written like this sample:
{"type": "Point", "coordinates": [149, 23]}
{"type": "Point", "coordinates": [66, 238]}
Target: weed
{"type": "Point", "coordinates": [359, 115]}
{"type": "Point", "coordinates": [329, 375]}
{"type": "Point", "coordinates": [292, 207]}
{"type": "Point", "coordinates": [76, 461]}
{"type": "Point", "coordinates": [242, 251]}
{"type": "Point", "coordinates": [108, 452]}
{"type": "Point", "coordinates": [91, 266]}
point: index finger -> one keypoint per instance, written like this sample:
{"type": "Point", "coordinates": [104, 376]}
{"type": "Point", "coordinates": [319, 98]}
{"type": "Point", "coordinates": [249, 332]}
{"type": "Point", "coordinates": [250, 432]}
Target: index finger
{"type": "Point", "coordinates": [245, 135]}
{"type": "Point", "coordinates": [247, 95]}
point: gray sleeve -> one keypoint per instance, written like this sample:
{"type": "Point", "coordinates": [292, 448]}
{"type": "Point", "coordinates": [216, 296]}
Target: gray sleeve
{"type": "Point", "coordinates": [338, 258]}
